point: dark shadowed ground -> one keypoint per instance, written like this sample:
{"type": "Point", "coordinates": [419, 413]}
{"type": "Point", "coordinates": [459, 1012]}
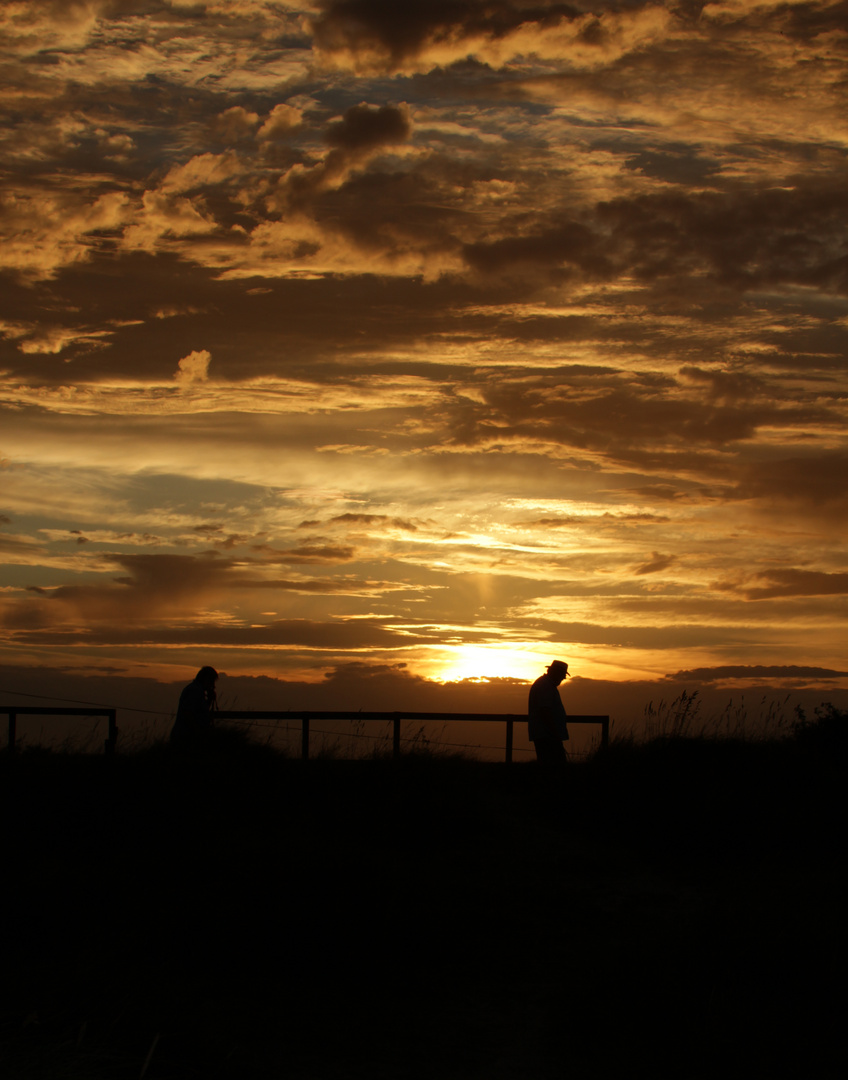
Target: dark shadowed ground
{"type": "Point", "coordinates": [671, 910]}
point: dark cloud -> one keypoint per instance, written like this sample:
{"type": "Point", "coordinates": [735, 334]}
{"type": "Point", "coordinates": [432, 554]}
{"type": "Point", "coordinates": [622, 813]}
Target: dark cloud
{"type": "Point", "coordinates": [170, 574]}
{"type": "Point", "coordinates": [757, 672]}
{"type": "Point", "coordinates": [562, 250]}
{"type": "Point", "coordinates": [747, 238]}
{"type": "Point", "coordinates": [659, 492]}
{"type": "Point", "coordinates": [815, 483]}
{"type": "Point", "coordinates": [794, 582]}
{"type": "Point", "coordinates": [801, 22]}
{"type": "Point", "coordinates": [625, 421]}
{"type": "Point", "coordinates": [660, 634]}
{"type": "Point", "coordinates": [154, 586]}
{"type": "Point", "coordinates": [357, 671]}
{"type": "Point", "coordinates": [675, 164]}
{"type": "Point", "coordinates": [306, 634]}
{"type": "Point", "coordinates": [19, 545]}
{"type": "Point", "coordinates": [728, 386]}
{"type": "Point", "coordinates": [396, 212]}
{"type": "Point", "coordinates": [331, 586]}
{"type": "Point", "coordinates": [305, 554]}
{"type": "Point", "coordinates": [395, 33]}
{"type": "Point", "coordinates": [374, 519]}
{"type": "Point", "coordinates": [362, 133]}
{"type": "Point", "coordinates": [364, 128]}
{"type": "Point", "coordinates": [554, 523]}
{"type": "Point", "coordinates": [594, 521]}
{"type": "Point", "coordinates": [656, 564]}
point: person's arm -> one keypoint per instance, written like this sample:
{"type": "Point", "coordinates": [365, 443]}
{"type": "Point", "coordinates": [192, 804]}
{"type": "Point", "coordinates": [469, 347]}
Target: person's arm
{"type": "Point", "coordinates": [551, 722]}
{"type": "Point", "coordinates": [550, 711]}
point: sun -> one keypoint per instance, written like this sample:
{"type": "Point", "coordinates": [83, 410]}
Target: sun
{"type": "Point", "coordinates": [483, 662]}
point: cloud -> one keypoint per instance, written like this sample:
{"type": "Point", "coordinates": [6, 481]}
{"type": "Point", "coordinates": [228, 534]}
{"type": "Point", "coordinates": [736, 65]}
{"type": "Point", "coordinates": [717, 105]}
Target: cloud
{"type": "Point", "coordinates": [234, 124]}
{"type": "Point", "coordinates": [306, 554]}
{"type": "Point", "coordinates": [166, 213]}
{"type": "Point", "coordinates": [757, 672]}
{"type": "Point", "coordinates": [49, 230]}
{"type": "Point", "coordinates": [330, 586]}
{"type": "Point", "coordinates": [659, 492]}
{"type": "Point", "coordinates": [154, 586]}
{"type": "Point", "coordinates": [373, 519]}
{"type": "Point", "coordinates": [24, 547]}
{"type": "Point", "coordinates": [745, 239]}
{"type": "Point", "coordinates": [728, 386]}
{"type": "Point", "coordinates": [304, 634]}
{"type": "Point", "coordinates": [62, 24]}
{"type": "Point", "coordinates": [361, 134]}
{"type": "Point", "coordinates": [193, 368]}
{"type": "Point", "coordinates": [282, 120]}
{"type": "Point", "coordinates": [655, 565]}
{"type": "Point", "coordinates": [34, 338]}
{"type": "Point", "coordinates": [814, 483]}
{"type": "Point", "coordinates": [794, 582]}
{"type": "Point", "coordinates": [369, 35]}
{"type": "Point", "coordinates": [202, 170]}
{"type": "Point", "coordinates": [364, 129]}
{"type": "Point", "coordinates": [618, 420]}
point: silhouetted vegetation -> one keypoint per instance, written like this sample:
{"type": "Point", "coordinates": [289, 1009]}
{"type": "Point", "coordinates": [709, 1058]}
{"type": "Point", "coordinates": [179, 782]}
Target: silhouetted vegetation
{"type": "Point", "coordinates": [672, 909]}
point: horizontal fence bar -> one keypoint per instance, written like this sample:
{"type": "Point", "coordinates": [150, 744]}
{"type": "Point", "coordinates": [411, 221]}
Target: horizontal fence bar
{"type": "Point", "coordinates": [402, 714]}
{"type": "Point", "coordinates": [395, 718]}
{"type": "Point", "coordinates": [14, 711]}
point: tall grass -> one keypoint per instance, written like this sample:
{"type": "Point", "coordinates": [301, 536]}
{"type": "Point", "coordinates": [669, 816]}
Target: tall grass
{"type": "Point", "coordinates": [769, 718]}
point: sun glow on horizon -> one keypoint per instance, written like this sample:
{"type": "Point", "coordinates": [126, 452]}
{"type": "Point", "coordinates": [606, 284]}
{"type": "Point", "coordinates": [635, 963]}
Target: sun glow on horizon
{"type": "Point", "coordinates": [469, 663]}
{"type": "Point", "coordinates": [481, 662]}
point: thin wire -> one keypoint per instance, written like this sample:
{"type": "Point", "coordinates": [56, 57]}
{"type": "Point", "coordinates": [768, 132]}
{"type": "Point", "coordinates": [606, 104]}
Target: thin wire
{"type": "Point", "coordinates": [364, 735]}
{"type": "Point", "coordinates": [76, 701]}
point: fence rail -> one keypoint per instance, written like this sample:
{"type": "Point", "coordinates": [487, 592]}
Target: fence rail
{"type": "Point", "coordinates": [14, 711]}
{"type": "Point", "coordinates": [305, 717]}
{"type": "Point", "coordinates": [396, 718]}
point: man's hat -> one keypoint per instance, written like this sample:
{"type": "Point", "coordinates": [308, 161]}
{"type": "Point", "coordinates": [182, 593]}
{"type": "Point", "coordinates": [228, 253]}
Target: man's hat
{"type": "Point", "coordinates": [557, 667]}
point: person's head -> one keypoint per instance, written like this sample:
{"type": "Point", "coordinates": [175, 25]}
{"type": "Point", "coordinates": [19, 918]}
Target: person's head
{"type": "Point", "coordinates": [557, 670]}
{"type": "Point", "coordinates": [207, 676]}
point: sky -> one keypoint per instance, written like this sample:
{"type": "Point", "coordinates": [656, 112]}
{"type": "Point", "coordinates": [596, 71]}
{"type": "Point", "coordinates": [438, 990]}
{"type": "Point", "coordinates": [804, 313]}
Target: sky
{"type": "Point", "coordinates": [425, 342]}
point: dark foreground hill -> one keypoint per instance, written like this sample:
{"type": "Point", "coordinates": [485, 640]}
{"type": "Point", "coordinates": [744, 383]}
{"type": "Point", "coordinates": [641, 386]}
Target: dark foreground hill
{"type": "Point", "coordinates": [668, 910]}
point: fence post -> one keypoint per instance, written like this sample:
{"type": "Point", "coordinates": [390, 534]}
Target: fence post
{"type": "Point", "coordinates": [304, 738]}
{"type": "Point", "coordinates": [605, 732]}
{"type": "Point", "coordinates": [112, 737]}
{"type": "Point", "coordinates": [509, 742]}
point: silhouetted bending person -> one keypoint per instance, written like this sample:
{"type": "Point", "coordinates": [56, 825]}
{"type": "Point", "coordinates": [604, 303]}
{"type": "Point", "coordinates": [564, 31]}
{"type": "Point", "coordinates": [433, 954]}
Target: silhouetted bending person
{"type": "Point", "coordinates": [194, 712]}
{"type": "Point", "coordinates": [546, 716]}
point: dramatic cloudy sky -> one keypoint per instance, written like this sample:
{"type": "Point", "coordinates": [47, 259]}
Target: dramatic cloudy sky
{"type": "Point", "coordinates": [458, 334]}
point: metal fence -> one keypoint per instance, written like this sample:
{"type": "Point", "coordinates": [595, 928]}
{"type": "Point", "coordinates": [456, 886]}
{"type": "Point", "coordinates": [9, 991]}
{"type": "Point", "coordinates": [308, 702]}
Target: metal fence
{"type": "Point", "coordinates": [305, 718]}
{"type": "Point", "coordinates": [14, 711]}
{"type": "Point", "coordinates": [396, 718]}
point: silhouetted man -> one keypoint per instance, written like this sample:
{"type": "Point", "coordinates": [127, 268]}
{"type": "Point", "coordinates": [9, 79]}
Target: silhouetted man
{"type": "Point", "coordinates": [546, 716]}
{"type": "Point", "coordinates": [194, 712]}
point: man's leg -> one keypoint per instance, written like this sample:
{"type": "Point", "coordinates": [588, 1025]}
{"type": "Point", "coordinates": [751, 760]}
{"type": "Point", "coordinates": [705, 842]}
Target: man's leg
{"type": "Point", "coordinates": [550, 751]}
